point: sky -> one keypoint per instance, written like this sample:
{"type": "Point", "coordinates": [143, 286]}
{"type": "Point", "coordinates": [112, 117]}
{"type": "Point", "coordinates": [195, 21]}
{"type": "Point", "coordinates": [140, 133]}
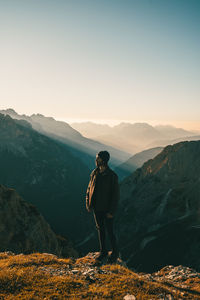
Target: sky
{"type": "Point", "coordinates": [102, 60]}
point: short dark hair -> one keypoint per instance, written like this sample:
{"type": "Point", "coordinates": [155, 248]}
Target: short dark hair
{"type": "Point", "coordinates": [105, 156]}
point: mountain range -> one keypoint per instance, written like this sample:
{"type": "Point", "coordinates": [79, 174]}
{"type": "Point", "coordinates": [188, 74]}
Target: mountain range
{"type": "Point", "coordinates": [133, 137]}
{"type": "Point", "coordinates": [80, 146]}
{"type": "Point", "coordinates": [158, 218]}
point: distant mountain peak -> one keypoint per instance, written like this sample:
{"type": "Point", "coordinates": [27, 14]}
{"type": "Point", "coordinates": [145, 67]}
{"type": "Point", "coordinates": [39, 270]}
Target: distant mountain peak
{"type": "Point", "coordinates": [135, 125]}
{"type": "Point", "coordinates": [10, 111]}
{"type": "Point", "coordinates": [37, 115]}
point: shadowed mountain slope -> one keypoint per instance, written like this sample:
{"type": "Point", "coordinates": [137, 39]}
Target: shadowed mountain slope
{"type": "Point", "coordinates": [159, 219]}
{"type": "Point", "coordinates": [23, 229]}
{"type": "Point", "coordinates": [45, 173]}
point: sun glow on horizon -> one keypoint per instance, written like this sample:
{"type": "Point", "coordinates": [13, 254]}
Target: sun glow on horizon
{"type": "Point", "coordinates": [189, 125]}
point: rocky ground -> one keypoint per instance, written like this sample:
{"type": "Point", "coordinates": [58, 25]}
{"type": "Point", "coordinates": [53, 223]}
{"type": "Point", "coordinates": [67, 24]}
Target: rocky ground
{"type": "Point", "coordinates": [85, 267]}
{"type": "Point", "coordinates": [45, 276]}
{"type": "Point", "coordinates": [178, 277]}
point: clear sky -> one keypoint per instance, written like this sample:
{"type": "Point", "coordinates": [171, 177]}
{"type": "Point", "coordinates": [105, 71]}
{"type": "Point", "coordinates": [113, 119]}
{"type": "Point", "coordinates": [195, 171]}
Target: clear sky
{"type": "Point", "coordinates": [103, 60]}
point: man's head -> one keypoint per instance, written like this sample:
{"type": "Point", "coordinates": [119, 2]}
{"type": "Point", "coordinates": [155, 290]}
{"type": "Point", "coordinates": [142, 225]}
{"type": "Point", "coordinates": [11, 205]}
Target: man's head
{"type": "Point", "coordinates": [102, 158]}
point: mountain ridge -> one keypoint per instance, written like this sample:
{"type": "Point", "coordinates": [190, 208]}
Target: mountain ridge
{"type": "Point", "coordinates": [159, 207]}
{"type": "Point", "coordinates": [80, 146]}
{"type": "Point", "coordinates": [132, 137]}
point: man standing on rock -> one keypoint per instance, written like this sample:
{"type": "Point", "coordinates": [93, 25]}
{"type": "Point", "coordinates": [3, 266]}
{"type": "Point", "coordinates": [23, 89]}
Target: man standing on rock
{"type": "Point", "coordinates": [102, 197]}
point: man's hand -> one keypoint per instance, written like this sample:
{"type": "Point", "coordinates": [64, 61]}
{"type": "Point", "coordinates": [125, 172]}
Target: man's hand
{"type": "Point", "coordinates": [88, 209]}
{"type": "Point", "coordinates": [108, 215]}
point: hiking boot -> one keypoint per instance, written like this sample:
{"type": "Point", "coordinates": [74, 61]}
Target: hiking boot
{"type": "Point", "coordinates": [101, 255]}
{"type": "Point", "coordinates": [112, 258]}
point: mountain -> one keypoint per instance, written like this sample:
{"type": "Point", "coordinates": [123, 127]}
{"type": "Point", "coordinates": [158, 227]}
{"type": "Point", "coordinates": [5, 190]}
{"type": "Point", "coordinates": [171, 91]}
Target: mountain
{"type": "Point", "coordinates": [136, 161]}
{"type": "Point", "coordinates": [159, 220]}
{"type": "Point", "coordinates": [46, 174]}
{"type": "Point", "coordinates": [132, 137]}
{"type": "Point", "coordinates": [80, 146]}
{"type": "Point", "coordinates": [23, 229]}
{"type": "Point", "coordinates": [171, 132]}
{"type": "Point", "coordinates": [44, 124]}
{"type": "Point", "coordinates": [163, 143]}
{"type": "Point", "coordinates": [141, 132]}
{"type": "Point", "coordinates": [90, 129]}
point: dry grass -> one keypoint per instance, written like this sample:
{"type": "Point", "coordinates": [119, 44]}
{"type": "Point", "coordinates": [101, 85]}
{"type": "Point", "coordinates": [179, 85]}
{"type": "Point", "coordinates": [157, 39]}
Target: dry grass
{"type": "Point", "coordinates": [21, 277]}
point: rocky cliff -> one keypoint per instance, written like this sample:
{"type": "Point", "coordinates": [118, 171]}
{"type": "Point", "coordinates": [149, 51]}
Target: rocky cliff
{"type": "Point", "coordinates": [23, 228]}
{"type": "Point", "coordinates": [159, 219]}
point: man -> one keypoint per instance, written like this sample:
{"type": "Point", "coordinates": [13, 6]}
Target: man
{"type": "Point", "coordinates": [102, 197]}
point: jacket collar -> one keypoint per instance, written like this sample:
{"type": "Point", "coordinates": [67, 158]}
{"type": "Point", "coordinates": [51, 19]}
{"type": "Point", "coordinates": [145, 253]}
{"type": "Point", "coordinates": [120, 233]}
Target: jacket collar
{"type": "Point", "coordinates": [105, 172]}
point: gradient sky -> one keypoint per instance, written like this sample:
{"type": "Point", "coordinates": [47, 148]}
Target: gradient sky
{"type": "Point", "coordinates": [103, 60]}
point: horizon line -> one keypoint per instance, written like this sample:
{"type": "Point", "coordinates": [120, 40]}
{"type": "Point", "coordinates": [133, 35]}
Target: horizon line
{"type": "Point", "coordinates": [186, 125]}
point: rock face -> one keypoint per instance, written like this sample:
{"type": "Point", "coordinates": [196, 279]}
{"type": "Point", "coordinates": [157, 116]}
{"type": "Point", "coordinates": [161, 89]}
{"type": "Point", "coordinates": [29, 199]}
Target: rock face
{"type": "Point", "coordinates": [44, 173]}
{"type": "Point", "coordinates": [159, 219]}
{"type": "Point", "coordinates": [23, 229]}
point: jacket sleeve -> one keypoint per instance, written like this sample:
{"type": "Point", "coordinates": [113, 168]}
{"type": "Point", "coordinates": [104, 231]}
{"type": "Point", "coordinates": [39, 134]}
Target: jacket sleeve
{"type": "Point", "coordinates": [88, 189]}
{"type": "Point", "coordinates": [87, 194]}
{"type": "Point", "coordinates": [115, 195]}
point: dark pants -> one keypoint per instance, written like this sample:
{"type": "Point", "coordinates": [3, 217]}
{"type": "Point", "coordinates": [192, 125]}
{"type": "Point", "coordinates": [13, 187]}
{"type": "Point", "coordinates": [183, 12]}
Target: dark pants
{"type": "Point", "coordinates": [103, 224]}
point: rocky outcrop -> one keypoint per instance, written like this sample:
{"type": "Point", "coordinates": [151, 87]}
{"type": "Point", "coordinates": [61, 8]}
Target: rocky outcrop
{"type": "Point", "coordinates": [47, 276]}
{"type": "Point", "coordinates": [159, 212]}
{"type": "Point", "coordinates": [23, 228]}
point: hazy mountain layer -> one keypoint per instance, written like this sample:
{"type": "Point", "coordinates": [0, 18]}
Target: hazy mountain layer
{"type": "Point", "coordinates": [164, 143]}
{"type": "Point", "coordinates": [134, 137]}
{"type": "Point", "coordinates": [82, 147]}
{"type": "Point", "coordinates": [91, 129]}
{"type": "Point", "coordinates": [136, 161]}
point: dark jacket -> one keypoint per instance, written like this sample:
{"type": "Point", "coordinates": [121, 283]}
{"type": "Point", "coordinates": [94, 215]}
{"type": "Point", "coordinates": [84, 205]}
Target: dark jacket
{"type": "Point", "coordinates": [103, 191]}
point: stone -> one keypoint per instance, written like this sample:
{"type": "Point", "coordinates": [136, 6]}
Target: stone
{"type": "Point", "coordinates": [129, 297]}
